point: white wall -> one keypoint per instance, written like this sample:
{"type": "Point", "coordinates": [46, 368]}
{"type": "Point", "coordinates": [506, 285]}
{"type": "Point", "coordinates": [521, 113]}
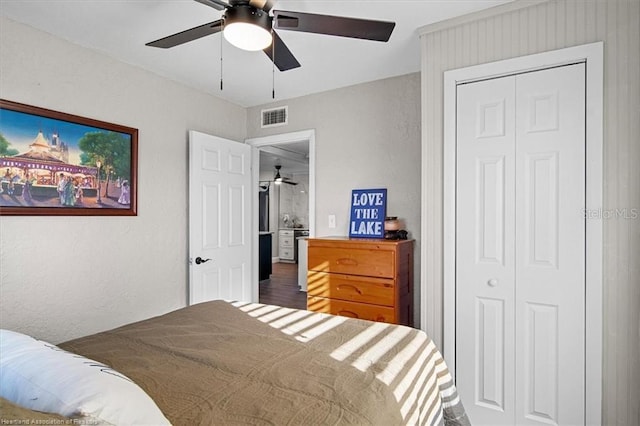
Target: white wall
{"type": "Point", "coordinates": [504, 33]}
{"type": "Point", "coordinates": [367, 136]}
{"type": "Point", "coordinates": [63, 277]}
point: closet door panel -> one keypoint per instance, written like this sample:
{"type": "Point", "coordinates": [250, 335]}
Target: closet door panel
{"type": "Point", "coordinates": [550, 241]}
{"type": "Point", "coordinates": [485, 204]}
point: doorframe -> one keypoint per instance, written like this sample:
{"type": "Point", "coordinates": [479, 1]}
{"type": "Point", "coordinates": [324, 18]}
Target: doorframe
{"type": "Point", "coordinates": [592, 56]}
{"type": "Point", "coordinates": [282, 138]}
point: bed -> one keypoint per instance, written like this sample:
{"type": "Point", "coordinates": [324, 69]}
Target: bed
{"type": "Point", "coordinates": [237, 363]}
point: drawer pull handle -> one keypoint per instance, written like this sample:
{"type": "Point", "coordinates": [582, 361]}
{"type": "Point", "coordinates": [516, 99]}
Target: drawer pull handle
{"type": "Point", "coordinates": [350, 286]}
{"type": "Point", "coordinates": [346, 261]}
{"type": "Point", "coordinates": [348, 314]}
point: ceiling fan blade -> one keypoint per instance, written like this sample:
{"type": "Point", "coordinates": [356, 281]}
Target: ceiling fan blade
{"type": "Point", "coordinates": [216, 4]}
{"type": "Point", "coordinates": [187, 35]}
{"type": "Point", "coordinates": [265, 5]}
{"type": "Point", "coordinates": [333, 25]}
{"type": "Point", "coordinates": [284, 58]}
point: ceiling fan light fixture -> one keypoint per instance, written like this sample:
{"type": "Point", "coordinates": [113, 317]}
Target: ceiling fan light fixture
{"type": "Point", "coordinates": [277, 179]}
{"type": "Point", "coordinates": [247, 28]}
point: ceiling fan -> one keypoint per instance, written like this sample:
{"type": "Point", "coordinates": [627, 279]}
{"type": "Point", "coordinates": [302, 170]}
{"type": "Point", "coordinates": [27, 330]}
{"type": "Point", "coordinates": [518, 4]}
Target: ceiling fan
{"type": "Point", "coordinates": [248, 24]}
{"type": "Point", "coordinates": [277, 179]}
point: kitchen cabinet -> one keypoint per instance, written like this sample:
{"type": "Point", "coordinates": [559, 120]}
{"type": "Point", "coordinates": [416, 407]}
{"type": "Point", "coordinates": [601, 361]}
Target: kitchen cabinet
{"type": "Point", "coordinates": [286, 244]}
{"type": "Point", "coordinates": [265, 263]}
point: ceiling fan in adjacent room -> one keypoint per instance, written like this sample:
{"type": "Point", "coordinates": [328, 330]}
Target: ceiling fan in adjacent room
{"type": "Point", "coordinates": [277, 179]}
{"type": "Point", "coordinates": [251, 25]}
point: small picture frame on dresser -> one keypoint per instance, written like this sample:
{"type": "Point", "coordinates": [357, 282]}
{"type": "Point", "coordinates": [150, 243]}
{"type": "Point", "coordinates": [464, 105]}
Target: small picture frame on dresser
{"type": "Point", "coordinates": [368, 210]}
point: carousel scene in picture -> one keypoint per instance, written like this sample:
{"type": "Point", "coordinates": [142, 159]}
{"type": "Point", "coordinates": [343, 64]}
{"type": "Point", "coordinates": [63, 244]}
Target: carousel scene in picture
{"type": "Point", "coordinates": [52, 163]}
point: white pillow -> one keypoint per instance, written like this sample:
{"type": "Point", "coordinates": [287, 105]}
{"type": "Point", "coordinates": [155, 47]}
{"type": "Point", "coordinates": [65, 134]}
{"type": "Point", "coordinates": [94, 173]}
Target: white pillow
{"type": "Point", "coordinates": [41, 376]}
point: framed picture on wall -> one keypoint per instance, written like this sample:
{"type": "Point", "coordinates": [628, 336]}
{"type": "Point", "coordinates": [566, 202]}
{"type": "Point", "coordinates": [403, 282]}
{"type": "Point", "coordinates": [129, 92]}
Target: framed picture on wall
{"type": "Point", "coordinates": [54, 163]}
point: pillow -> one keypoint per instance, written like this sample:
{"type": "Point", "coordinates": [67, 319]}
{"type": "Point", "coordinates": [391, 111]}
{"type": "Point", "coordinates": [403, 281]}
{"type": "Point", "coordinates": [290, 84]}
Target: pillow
{"type": "Point", "coordinates": [40, 376]}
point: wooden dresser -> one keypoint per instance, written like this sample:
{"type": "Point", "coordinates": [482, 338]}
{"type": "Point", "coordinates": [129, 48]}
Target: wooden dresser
{"type": "Point", "coordinates": [361, 278]}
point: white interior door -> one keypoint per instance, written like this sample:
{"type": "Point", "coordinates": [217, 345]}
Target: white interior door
{"type": "Point", "coordinates": [220, 210]}
{"type": "Point", "coordinates": [520, 248]}
{"type": "Point", "coordinates": [550, 246]}
{"type": "Point", "coordinates": [485, 250]}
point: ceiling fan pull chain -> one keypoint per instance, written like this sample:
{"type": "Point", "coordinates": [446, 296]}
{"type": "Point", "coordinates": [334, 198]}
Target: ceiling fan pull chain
{"type": "Point", "coordinates": [273, 66]}
{"type": "Point", "coordinates": [221, 59]}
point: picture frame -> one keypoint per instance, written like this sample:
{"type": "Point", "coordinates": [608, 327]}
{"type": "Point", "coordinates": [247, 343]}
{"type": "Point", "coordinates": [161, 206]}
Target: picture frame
{"type": "Point", "coordinates": [58, 164]}
{"type": "Point", "coordinates": [368, 210]}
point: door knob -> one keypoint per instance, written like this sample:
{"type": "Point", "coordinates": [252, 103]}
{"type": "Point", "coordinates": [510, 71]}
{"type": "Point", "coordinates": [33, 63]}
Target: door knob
{"type": "Point", "coordinates": [492, 282]}
{"type": "Point", "coordinates": [200, 260]}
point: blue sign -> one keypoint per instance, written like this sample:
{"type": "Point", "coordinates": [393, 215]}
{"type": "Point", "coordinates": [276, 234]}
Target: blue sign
{"type": "Point", "coordinates": [368, 209]}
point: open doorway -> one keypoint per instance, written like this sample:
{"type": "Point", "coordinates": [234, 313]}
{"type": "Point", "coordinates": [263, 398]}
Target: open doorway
{"type": "Point", "coordinates": [285, 178]}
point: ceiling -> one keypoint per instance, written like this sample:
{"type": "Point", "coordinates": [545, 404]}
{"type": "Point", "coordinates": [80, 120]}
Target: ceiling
{"type": "Point", "coordinates": [292, 156]}
{"type": "Point", "coordinates": [120, 29]}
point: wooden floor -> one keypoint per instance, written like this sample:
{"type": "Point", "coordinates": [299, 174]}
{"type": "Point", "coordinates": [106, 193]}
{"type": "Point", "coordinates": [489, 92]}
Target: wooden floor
{"type": "Point", "coordinates": [282, 287]}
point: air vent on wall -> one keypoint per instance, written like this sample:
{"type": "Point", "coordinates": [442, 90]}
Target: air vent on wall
{"type": "Point", "coordinates": [275, 117]}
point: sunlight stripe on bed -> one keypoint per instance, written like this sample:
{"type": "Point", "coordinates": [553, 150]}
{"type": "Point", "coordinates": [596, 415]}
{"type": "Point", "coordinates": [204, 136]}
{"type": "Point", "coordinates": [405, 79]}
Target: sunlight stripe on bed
{"type": "Point", "coordinates": [348, 348]}
{"type": "Point", "coordinates": [397, 363]}
{"type": "Point", "coordinates": [378, 350]}
{"type": "Point", "coordinates": [304, 325]}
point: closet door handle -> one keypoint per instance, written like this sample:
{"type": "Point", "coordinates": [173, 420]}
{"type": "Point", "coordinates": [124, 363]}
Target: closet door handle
{"type": "Point", "coordinates": [492, 282]}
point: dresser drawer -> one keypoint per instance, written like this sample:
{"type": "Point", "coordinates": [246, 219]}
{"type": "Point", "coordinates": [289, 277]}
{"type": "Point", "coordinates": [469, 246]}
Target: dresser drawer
{"type": "Point", "coordinates": [351, 309]}
{"type": "Point", "coordinates": [354, 288]}
{"type": "Point", "coordinates": [343, 260]}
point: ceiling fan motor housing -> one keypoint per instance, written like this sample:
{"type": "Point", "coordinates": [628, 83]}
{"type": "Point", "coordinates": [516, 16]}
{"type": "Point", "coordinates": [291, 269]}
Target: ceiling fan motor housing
{"type": "Point", "coordinates": [247, 27]}
{"type": "Point", "coordinates": [247, 14]}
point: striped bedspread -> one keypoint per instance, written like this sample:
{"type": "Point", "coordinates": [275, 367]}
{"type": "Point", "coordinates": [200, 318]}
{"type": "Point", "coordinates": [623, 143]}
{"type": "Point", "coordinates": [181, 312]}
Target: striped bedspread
{"type": "Point", "coordinates": [225, 363]}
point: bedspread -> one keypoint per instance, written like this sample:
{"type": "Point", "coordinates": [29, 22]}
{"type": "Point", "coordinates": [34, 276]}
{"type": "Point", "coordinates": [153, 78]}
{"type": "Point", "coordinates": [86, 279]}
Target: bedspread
{"type": "Point", "coordinates": [225, 363]}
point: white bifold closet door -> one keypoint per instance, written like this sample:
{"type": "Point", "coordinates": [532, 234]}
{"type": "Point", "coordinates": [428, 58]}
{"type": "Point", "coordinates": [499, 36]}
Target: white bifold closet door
{"type": "Point", "coordinates": [520, 248]}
